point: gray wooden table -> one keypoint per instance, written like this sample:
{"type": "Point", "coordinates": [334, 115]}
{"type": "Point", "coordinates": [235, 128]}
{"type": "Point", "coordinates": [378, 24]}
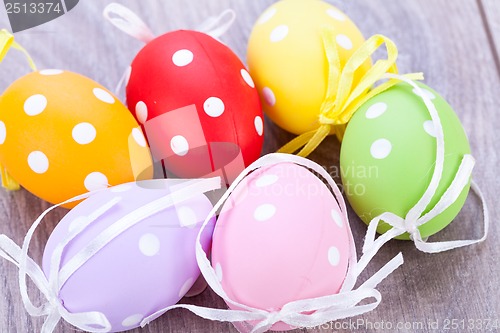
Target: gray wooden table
{"type": "Point", "coordinates": [456, 43]}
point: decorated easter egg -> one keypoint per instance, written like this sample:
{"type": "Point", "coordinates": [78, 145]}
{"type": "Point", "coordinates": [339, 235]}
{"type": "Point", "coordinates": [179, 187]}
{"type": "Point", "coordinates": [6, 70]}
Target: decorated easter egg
{"type": "Point", "coordinates": [280, 237]}
{"type": "Point", "coordinates": [389, 152]}
{"type": "Point", "coordinates": [198, 104]}
{"type": "Point", "coordinates": [62, 134]}
{"type": "Point", "coordinates": [147, 267]}
{"type": "Point", "coordinates": [286, 58]}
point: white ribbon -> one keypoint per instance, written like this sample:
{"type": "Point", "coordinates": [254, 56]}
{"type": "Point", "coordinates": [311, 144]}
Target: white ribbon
{"type": "Point", "coordinates": [217, 26]}
{"type": "Point", "coordinates": [327, 308]}
{"type": "Point", "coordinates": [50, 287]}
{"type": "Point", "coordinates": [414, 218]}
{"type": "Point", "coordinates": [128, 21]}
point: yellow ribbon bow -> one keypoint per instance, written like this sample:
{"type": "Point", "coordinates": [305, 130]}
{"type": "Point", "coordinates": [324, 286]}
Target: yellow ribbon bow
{"type": "Point", "coordinates": [6, 42]}
{"type": "Point", "coordinates": [343, 98]}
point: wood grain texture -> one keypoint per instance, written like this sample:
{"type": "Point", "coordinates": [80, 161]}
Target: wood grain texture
{"type": "Point", "coordinates": [490, 11]}
{"type": "Point", "coordinates": [445, 39]}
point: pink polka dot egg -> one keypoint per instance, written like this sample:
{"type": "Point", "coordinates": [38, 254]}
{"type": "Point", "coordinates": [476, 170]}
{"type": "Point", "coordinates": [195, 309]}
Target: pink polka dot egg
{"type": "Point", "coordinates": [147, 267]}
{"type": "Point", "coordinates": [197, 103]}
{"type": "Point", "coordinates": [63, 134]}
{"type": "Point", "coordinates": [281, 237]}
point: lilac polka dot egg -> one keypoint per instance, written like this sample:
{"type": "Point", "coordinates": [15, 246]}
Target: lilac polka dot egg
{"type": "Point", "coordinates": [149, 266]}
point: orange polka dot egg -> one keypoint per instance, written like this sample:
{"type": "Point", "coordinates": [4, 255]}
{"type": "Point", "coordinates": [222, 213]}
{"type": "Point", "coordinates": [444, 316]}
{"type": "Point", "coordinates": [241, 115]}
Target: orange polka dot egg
{"type": "Point", "coordinates": [62, 134]}
{"type": "Point", "coordinates": [286, 58]}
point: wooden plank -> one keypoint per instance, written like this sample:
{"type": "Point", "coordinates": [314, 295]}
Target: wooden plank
{"type": "Point", "coordinates": [445, 39]}
{"type": "Point", "coordinates": [490, 11]}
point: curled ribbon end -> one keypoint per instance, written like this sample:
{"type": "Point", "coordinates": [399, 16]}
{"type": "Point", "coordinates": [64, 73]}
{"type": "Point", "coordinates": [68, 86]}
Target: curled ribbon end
{"type": "Point", "coordinates": [418, 76]}
{"type": "Point", "coordinates": [218, 25]}
{"type": "Point", "coordinates": [6, 40]}
{"type": "Point", "coordinates": [7, 181]}
{"type": "Point", "coordinates": [127, 21]}
{"type": "Point", "coordinates": [340, 131]}
{"type": "Point", "coordinates": [321, 133]}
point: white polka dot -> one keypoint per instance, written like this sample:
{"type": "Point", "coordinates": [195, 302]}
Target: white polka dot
{"type": "Point", "coordinates": [139, 137]}
{"type": "Point", "coordinates": [185, 287]}
{"type": "Point", "coordinates": [248, 79]}
{"type": "Point", "coordinates": [128, 74]}
{"type": "Point", "coordinates": [268, 14]}
{"type": "Point", "coordinates": [51, 72]}
{"type": "Point", "coordinates": [38, 162]}
{"type": "Point", "coordinates": [187, 217]}
{"type": "Point", "coordinates": [76, 222]}
{"type": "Point", "coordinates": [337, 218]}
{"type": "Point", "coordinates": [429, 128]}
{"type": "Point", "coordinates": [141, 112]}
{"type": "Point", "coordinates": [264, 212]}
{"type": "Point", "coordinates": [336, 14]}
{"type": "Point", "coordinates": [214, 107]}
{"type": "Point", "coordinates": [427, 92]}
{"type": "Point", "coordinates": [269, 96]}
{"type": "Point", "coordinates": [84, 133]}
{"type": "Point", "coordinates": [179, 145]}
{"type": "Point", "coordinates": [35, 105]}
{"type": "Point", "coordinates": [376, 110]}
{"type": "Point", "coordinates": [259, 125]}
{"type": "Point", "coordinates": [3, 132]}
{"type": "Point", "coordinates": [121, 188]}
{"type": "Point", "coordinates": [333, 256]}
{"type": "Point", "coordinates": [132, 320]}
{"type": "Point", "coordinates": [218, 272]}
{"type": "Point", "coordinates": [149, 245]}
{"type": "Point", "coordinates": [266, 180]}
{"type": "Point", "coordinates": [182, 58]}
{"type": "Point", "coordinates": [344, 41]}
{"type": "Point", "coordinates": [279, 33]}
{"type": "Point", "coordinates": [103, 95]}
{"type": "Point", "coordinates": [381, 148]}
{"type": "Point", "coordinates": [95, 181]}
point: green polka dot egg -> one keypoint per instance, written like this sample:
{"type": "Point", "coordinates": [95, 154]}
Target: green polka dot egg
{"type": "Point", "coordinates": [388, 155]}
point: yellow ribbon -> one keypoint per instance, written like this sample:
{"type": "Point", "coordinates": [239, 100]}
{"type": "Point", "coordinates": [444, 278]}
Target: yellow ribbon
{"type": "Point", "coordinates": [343, 98]}
{"type": "Point", "coordinates": [6, 42]}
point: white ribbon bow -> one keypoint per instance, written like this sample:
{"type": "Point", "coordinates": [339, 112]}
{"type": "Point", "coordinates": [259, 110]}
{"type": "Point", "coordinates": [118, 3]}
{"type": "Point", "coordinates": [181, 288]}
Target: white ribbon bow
{"type": "Point", "coordinates": [129, 22]}
{"type": "Point", "coordinates": [327, 308]}
{"type": "Point", "coordinates": [50, 287]}
{"type": "Point", "coordinates": [414, 218]}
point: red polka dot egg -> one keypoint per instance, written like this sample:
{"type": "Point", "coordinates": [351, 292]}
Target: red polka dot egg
{"type": "Point", "coordinates": [62, 134]}
{"type": "Point", "coordinates": [281, 237]}
{"type": "Point", "coordinates": [198, 104]}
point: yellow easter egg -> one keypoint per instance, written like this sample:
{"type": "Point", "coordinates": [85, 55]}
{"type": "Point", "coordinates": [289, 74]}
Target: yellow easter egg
{"type": "Point", "coordinates": [62, 134]}
{"type": "Point", "coordinates": [286, 57]}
